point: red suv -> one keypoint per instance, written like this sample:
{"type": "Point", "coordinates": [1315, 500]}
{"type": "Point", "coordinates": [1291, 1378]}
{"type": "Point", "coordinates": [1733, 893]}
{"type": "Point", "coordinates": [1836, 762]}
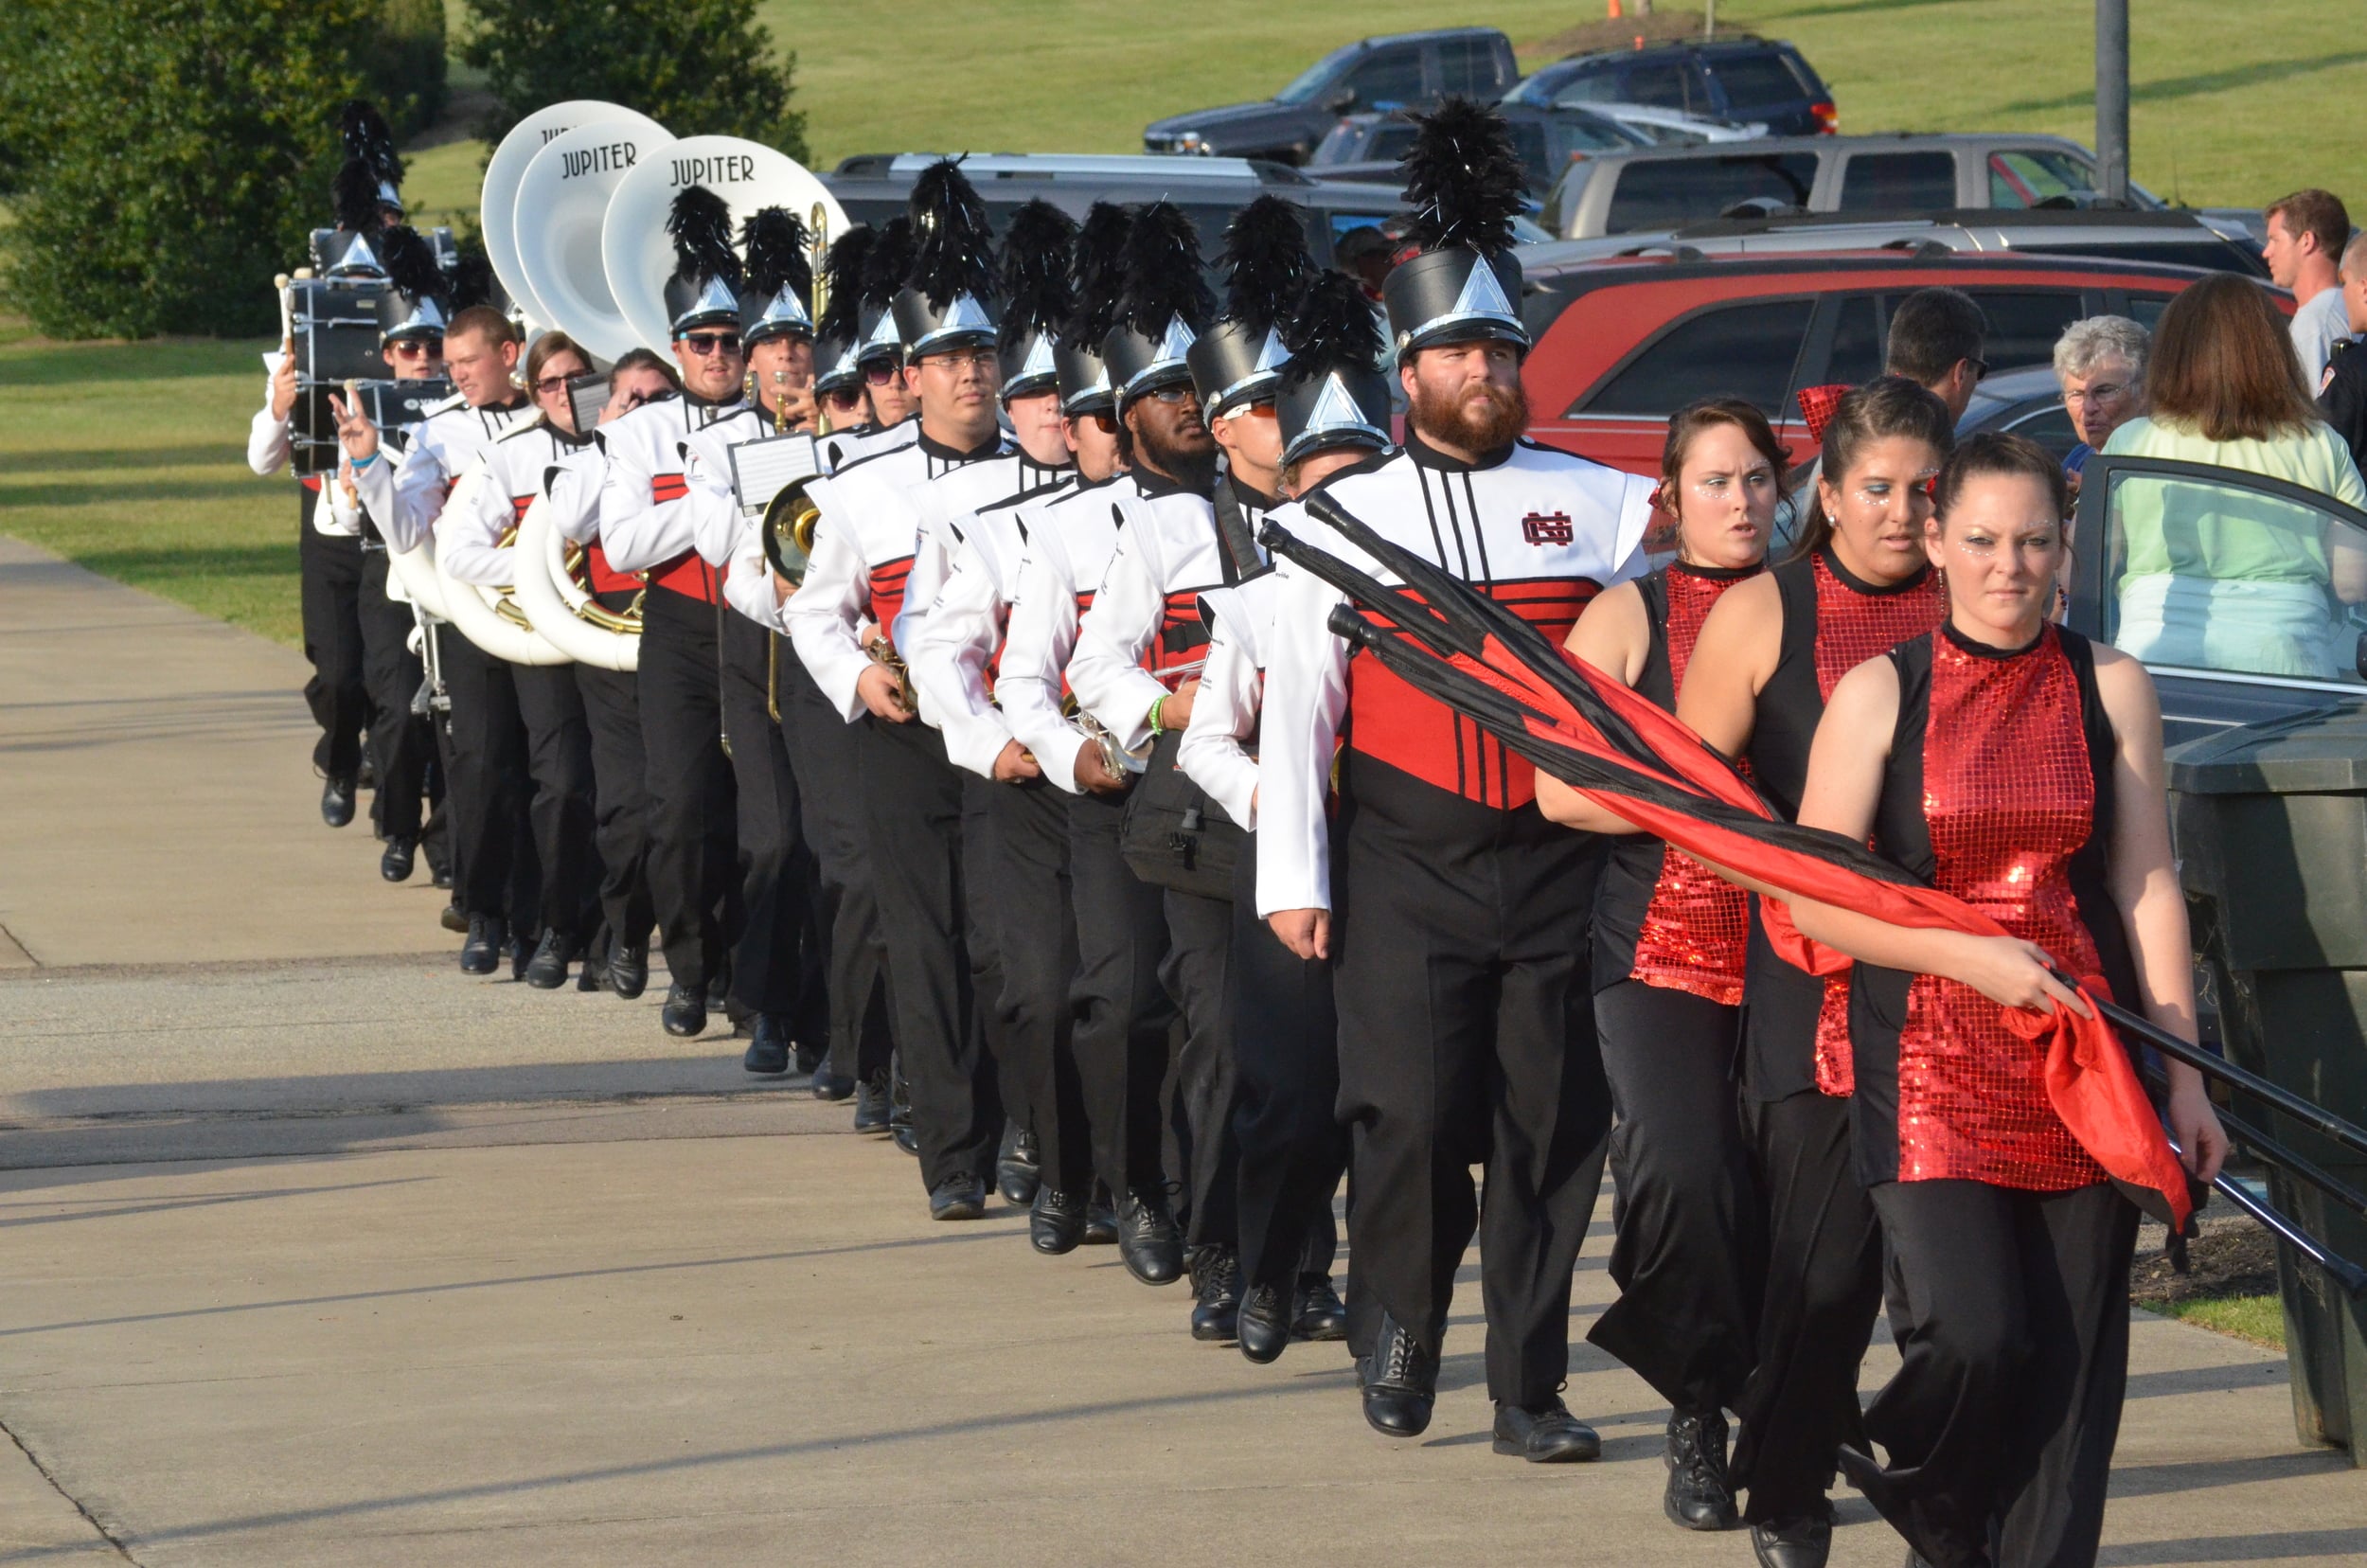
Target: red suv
{"type": "Point", "coordinates": [1622, 344]}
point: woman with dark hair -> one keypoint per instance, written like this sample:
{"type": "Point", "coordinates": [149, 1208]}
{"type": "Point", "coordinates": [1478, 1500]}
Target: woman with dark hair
{"type": "Point", "coordinates": [1668, 968]}
{"type": "Point", "coordinates": [2223, 579]}
{"type": "Point", "coordinates": [1766, 662]}
{"type": "Point", "coordinates": [2020, 768]}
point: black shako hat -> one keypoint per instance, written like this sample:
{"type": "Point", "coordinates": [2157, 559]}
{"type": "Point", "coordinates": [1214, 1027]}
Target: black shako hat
{"type": "Point", "coordinates": [704, 289]}
{"type": "Point", "coordinates": [1331, 392]}
{"type": "Point", "coordinates": [1096, 277]}
{"type": "Point", "coordinates": [1463, 186]}
{"type": "Point", "coordinates": [838, 336]}
{"type": "Point", "coordinates": [779, 277]}
{"type": "Point", "coordinates": [1036, 296]}
{"type": "Point", "coordinates": [419, 304]}
{"type": "Point", "coordinates": [948, 298]}
{"type": "Point", "coordinates": [1162, 308]}
{"type": "Point", "coordinates": [1237, 362]}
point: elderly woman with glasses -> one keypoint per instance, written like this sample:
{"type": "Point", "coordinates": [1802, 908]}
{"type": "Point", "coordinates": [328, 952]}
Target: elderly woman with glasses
{"type": "Point", "coordinates": [2101, 362]}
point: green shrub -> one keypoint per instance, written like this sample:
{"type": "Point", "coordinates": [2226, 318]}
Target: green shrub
{"type": "Point", "coordinates": [405, 71]}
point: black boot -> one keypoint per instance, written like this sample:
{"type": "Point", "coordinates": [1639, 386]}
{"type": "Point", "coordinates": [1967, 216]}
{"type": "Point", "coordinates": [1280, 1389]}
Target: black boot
{"type": "Point", "coordinates": [1800, 1541]}
{"type": "Point", "coordinates": [337, 799]}
{"type": "Point", "coordinates": [1217, 1307]}
{"type": "Point", "coordinates": [629, 968]}
{"type": "Point", "coordinates": [547, 969]}
{"type": "Point", "coordinates": [1401, 1383]}
{"type": "Point", "coordinates": [1545, 1435]}
{"type": "Point", "coordinates": [482, 952]}
{"type": "Point", "coordinates": [1264, 1323]}
{"type": "Point", "coordinates": [1056, 1222]}
{"type": "Point", "coordinates": [685, 1014]}
{"type": "Point", "coordinates": [1699, 1496]}
{"type": "Point", "coordinates": [1321, 1315]}
{"type": "Point", "coordinates": [394, 864]}
{"type": "Point", "coordinates": [871, 1105]}
{"type": "Point", "coordinates": [1020, 1172]}
{"type": "Point", "coordinates": [1148, 1242]}
{"type": "Point", "coordinates": [768, 1048]}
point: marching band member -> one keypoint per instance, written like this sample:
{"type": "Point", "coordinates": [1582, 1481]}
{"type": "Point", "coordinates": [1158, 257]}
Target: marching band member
{"type": "Point", "coordinates": [1454, 914]}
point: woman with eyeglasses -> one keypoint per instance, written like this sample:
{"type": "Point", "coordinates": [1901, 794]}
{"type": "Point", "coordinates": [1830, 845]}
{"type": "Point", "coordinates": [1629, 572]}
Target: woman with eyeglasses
{"type": "Point", "coordinates": [1767, 658]}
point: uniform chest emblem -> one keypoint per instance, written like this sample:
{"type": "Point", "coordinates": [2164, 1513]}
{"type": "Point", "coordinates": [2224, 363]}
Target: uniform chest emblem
{"type": "Point", "coordinates": [1546, 528]}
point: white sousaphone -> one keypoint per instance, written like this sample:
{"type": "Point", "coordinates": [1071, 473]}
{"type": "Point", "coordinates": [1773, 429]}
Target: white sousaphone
{"type": "Point", "coordinates": [487, 616]}
{"type": "Point", "coordinates": [561, 609]}
{"type": "Point", "coordinates": [415, 571]}
{"type": "Point", "coordinates": [556, 224]}
{"type": "Point", "coordinates": [497, 210]}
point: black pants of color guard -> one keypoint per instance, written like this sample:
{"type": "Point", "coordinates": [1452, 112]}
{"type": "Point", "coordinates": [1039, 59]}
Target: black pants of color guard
{"type": "Point", "coordinates": [559, 767]}
{"type": "Point", "coordinates": [330, 581]}
{"type": "Point", "coordinates": [1207, 1080]}
{"type": "Point", "coordinates": [1290, 1148]}
{"type": "Point", "coordinates": [694, 882]}
{"type": "Point", "coordinates": [1467, 1037]}
{"type": "Point", "coordinates": [401, 742]}
{"type": "Point", "coordinates": [1824, 1284]}
{"type": "Point", "coordinates": [913, 808]}
{"type": "Point", "coordinates": [778, 963]}
{"type": "Point", "coordinates": [825, 750]}
{"type": "Point", "coordinates": [1030, 902]}
{"type": "Point", "coordinates": [2011, 1312]}
{"type": "Point", "coordinates": [1691, 1256]}
{"type": "Point", "coordinates": [1122, 1013]}
{"type": "Point", "coordinates": [612, 709]}
{"type": "Point", "coordinates": [494, 864]}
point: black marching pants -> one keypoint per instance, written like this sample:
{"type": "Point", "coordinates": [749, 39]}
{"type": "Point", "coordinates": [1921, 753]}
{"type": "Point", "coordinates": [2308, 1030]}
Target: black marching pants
{"type": "Point", "coordinates": [1207, 1082]}
{"type": "Point", "coordinates": [694, 884]}
{"type": "Point", "coordinates": [1028, 903]}
{"type": "Point", "coordinates": [559, 762]}
{"type": "Point", "coordinates": [2011, 1311]}
{"type": "Point", "coordinates": [912, 806]}
{"type": "Point", "coordinates": [494, 863]}
{"type": "Point", "coordinates": [1824, 1282]}
{"type": "Point", "coordinates": [1291, 1149]}
{"type": "Point", "coordinates": [1123, 1012]}
{"type": "Point", "coordinates": [825, 750]}
{"type": "Point", "coordinates": [1467, 1037]}
{"type": "Point", "coordinates": [612, 709]}
{"type": "Point", "coordinates": [777, 875]}
{"type": "Point", "coordinates": [991, 1017]}
{"type": "Point", "coordinates": [401, 742]}
{"type": "Point", "coordinates": [1691, 1256]}
{"type": "Point", "coordinates": [330, 579]}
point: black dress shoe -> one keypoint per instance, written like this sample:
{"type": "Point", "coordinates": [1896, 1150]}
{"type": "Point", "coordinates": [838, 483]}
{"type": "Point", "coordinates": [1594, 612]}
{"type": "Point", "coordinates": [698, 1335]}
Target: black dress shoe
{"type": "Point", "coordinates": [1148, 1242]}
{"type": "Point", "coordinates": [810, 1058]}
{"type": "Point", "coordinates": [830, 1086]}
{"type": "Point", "coordinates": [1217, 1305]}
{"type": "Point", "coordinates": [958, 1198]}
{"type": "Point", "coordinates": [454, 918]}
{"type": "Point", "coordinates": [871, 1106]}
{"type": "Point", "coordinates": [719, 989]}
{"type": "Point", "coordinates": [366, 778]}
{"type": "Point", "coordinates": [900, 1129]}
{"type": "Point", "coordinates": [394, 864]}
{"type": "Point", "coordinates": [592, 976]}
{"type": "Point", "coordinates": [1322, 1314]}
{"type": "Point", "coordinates": [1055, 1223]}
{"type": "Point", "coordinates": [337, 799]}
{"type": "Point", "coordinates": [547, 969]}
{"type": "Point", "coordinates": [1699, 1496]}
{"type": "Point", "coordinates": [439, 875]}
{"type": "Point", "coordinates": [1264, 1327]}
{"type": "Point", "coordinates": [1020, 1172]}
{"type": "Point", "coordinates": [628, 969]}
{"type": "Point", "coordinates": [1547, 1436]}
{"type": "Point", "coordinates": [1401, 1383]}
{"type": "Point", "coordinates": [768, 1049]}
{"type": "Point", "coordinates": [685, 1014]}
{"type": "Point", "coordinates": [1796, 1542]}
{"type": "Point", "coordinates": [482, 952]}
{"type": "Point", "coordinates": [1101, 1218]}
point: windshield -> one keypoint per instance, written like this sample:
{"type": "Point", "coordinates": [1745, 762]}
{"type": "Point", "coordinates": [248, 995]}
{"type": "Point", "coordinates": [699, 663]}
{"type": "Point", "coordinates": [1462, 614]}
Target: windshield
{"type": "Point", "coordinates": [1539, 89]}
{"type": "Point", "coordinates": [1317, 77]}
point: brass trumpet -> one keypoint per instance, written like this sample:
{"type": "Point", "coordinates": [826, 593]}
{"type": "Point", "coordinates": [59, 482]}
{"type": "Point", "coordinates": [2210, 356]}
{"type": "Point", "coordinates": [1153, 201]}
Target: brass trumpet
{"type": "Point", "coordinates": [883, 652]}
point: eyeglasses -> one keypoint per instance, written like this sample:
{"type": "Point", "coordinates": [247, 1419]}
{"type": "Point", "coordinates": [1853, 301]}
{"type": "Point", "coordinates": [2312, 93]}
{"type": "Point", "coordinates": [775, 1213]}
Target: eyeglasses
{"type": "Point", "coordinates": [881, 374]}
{"type": "Point", "coordinates": [959, 360]}
{"type": "Point", "coordinates": [704, 344]}
{"type": "Point", "coordinates": [552, 386]}
{"type": "Point", "coordinates": [415, 348]}
{"type": "Point", "coordinates": [1171, 394]}
{"type": "Point", "coordinates": [2101, 392]}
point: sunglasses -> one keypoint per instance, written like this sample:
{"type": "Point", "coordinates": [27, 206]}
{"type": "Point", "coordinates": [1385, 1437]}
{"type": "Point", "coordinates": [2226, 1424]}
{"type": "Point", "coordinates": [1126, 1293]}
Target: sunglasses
{"type": "Point", "coordinates": [415, 348]}
{"type": "Point", "coordinates": [843, 397]}
{"type": "Point", "coordinates": [1103, 421]}
{"type": "Point", "coordinates": [881, 375]}
{"type": "Point", "coordinates": [1174, 393]}
{"type": "Point", "coordinates": [1979, 369]}
{"type": "Point", "coordinates": [704, 344]}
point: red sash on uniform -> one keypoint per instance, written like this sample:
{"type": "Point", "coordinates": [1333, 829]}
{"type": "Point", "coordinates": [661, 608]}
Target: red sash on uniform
{"type": "Point", "coordinates": [690, 577]}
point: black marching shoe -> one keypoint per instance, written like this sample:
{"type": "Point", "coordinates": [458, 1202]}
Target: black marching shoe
{"type": "Point", "coordinates": [719, 989]}
{"type": "Point", "coordinates": [1546, 1436]}
{"type": "Point", "coordinates": [1264, 1324]}
{"type": "Point", "coordinates": [958, 1198]}
{"type": "Point", "coordinates": [1020, 1172]}
{"type": "Point", "coordinates": [810, 1058]}
{"type": "Point", "coordinates": [592, 976]}
{"type": "Point", "coordinates": [768, 1048]}
{"type": "Point", "coordinates": [1322, 1314]}
{"type": "Point", "coordinates": [394, 864]}
{"type": "Point", "coordinates": [829, 1085]}
{"type": "Point", "coordinates": [1150, 1246]}
{"type": "Point", "coordinates": [686, 1013]}
{"type": "Point", "coordinates": [520, 947]}
{"type": "Point", "coordinates": [629, 968]}
{"type": "Point", "coordinates": [439, 874]}
{"type": "Point", "coordinates": [901, 1131]}
{"type": "Point", "coordinates": [337, 799]}
{"type": "Point", "coordinates": [1055, 1223]}
{"type": "Point", "coordinates": [1699, 1496]}
{"type": "Point", "coordinates": [547, 969]}
{"type": "Point", "coordinates": [1217, 1287]}
{"type": "Point", "coordinates": [1101, 1218]}
{"type": "Point", "coordinates": [482, 952]}
{"type": "Point", "coordinates": [1800, 1541]}
{"type": "Point", "coordinates": [871, 1105]}
{"type": "Point", "coordinates": [454, 918]}
{"type": "Point", "coordinates": [1401, 1383]}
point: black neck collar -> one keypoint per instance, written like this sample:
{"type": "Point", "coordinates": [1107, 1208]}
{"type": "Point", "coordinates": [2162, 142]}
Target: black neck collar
{"type": "Point", "coordinates": [945, 454]}
{"type": "Point", "coordinates": [1155, 485]}
{"type": "Point", "coordinates": [1429, 456]}
{"type": "Point", "coordinates": [1856, 584]}
{"type": "Point", "coordinates": [1716, 574]}
{"type": "Point", "coordinates": [1988, 650]}
{"type": "Point", "coordinates": [1248, 499]}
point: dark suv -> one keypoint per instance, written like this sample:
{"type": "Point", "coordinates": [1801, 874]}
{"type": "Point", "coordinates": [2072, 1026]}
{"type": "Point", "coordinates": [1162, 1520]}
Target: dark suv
{"type": "Point", "coordinates": [1401, 71]}
{"type": "Point", "coordinates": [1741, 78]}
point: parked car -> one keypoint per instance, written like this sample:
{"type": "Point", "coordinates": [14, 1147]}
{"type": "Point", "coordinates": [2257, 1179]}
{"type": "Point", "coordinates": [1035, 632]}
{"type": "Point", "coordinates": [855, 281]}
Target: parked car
{"type": "Point", "coordinates": [1367, 146]}
{"type": "Point", "coordinates": [1400, 71]}
{"type": "Point", "coordinates": [1668, 187]}
{"type": "Point", "coordinates": [2180, 239]}
{"type": "Point", "coordinates": [1674, 127]}
{"type": "Point", "coordinates": [1737, 79]}
{"type": "Point", "coordinates": [2022, 402]}
{"type": "Point", "coordinates": [1622, 344]}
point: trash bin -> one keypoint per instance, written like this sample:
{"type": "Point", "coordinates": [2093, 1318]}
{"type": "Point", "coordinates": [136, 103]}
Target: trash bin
{"type": "Point", "coordinates": [2269, 825]}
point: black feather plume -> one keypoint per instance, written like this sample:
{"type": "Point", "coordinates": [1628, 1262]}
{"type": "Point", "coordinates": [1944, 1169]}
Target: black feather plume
{"type": "Point", "coordinates": [1036, 294]}
{"type": "Point", "coordinates": [1463, 181]}
{"type": "Point", "coordinates": [1163, 275]}
{"type": "Point", "coordinates": [773, 241]}
{"type": "Point", "coordinates": [1265, 263]}
{"type": "Point", "coordinates": [368, 137]}
{"type": "Point", "coordinates": [701, 223]}
{"type": "Point", "coordinates": [842, 270]}
{"type": "Point", "coordinates": [1099, 274]}
{"type": "Point", "coordinates": [1332, 325]}
{"type": "Point", "coordinates": [473, 279]}
{"type": "Point", "coordinates": [411, 263]}
{"type": "Point", "coordinates": [889, 263]}
{"type": "Point", "coordinates": [954, 241]}
{"type": "Point", "coordinates": [354, 193]}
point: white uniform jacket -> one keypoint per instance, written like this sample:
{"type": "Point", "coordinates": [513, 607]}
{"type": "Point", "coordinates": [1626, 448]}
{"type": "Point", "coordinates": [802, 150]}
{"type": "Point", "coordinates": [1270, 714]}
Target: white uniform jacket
{"type": "Point", "coordinates": [649, 509]}
{"type": "Point", "coordinates": [748, 582]}
{"type": "Point", "coordinates": [267, 444]}
{"type": "Point", "coordinates": [1220, 747]}
{"type": "Point", "coordinates": [1536, 530]}
{"type": "Point", "coordinates": [519, 467]}
{"type": "Point", "coordinates": [404, 493]}
{"type": "Point", "coordinates": [1069, 544]}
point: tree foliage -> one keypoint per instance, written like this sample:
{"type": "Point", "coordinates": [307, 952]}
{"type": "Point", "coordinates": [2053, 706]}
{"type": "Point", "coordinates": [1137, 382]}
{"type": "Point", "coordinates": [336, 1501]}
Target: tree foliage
{"type": "Point", "coordinates": [698, 68]}
{"type": "Point", "coordinates": [404, 70]}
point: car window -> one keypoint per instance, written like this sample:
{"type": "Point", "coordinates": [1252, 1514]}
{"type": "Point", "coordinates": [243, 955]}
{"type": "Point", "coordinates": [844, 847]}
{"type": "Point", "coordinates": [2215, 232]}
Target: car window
{"type": "Point", "coordinates": [2145, 310]}
{"type": "Point", "coordinates": [2048, 425]}
{"type": "Point", "coordinates": [2025, 323]}
{"type": "Point", "coordinates": [1340, 144]}
{"type": "Point", "coordinates": [1664, 84]}
{"type": "Point", "coordinates": [2207, 574]}
{"type": "Point", "coordinates": [1857, 354]}
{"type": "Point", "coordinates": [1528, 145]}
{"type": "Point", "coordinates": [1468, 66]}
{"type": "Point", "coordinates": [1898, 182]}
{"type": "Point", "coordinates": [1666, 192]}
{"type": "Point", "coordinates": [1596, 82]}
{"type": "Point", "coordinates": [2026, 178]}
{"type": "Point", "coordinates": [1387, 78]}
{"type": "Point", "coordinates": [1309, 84]}
{"type": "Point", "coordinates": [2210, 254]}
{"type": "Point", "coordinates": [1580, 132]}
{"type": "Point", "coordinates": [1756, 81]}
{"type": "Point", "coordinates": [1390, 141]}
{"type": "Point", "coordinates": [1745, 350]}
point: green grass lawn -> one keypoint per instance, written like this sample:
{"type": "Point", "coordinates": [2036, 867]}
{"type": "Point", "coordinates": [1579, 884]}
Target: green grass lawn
{"type": "Point", "coordinates": [2257, 1318]}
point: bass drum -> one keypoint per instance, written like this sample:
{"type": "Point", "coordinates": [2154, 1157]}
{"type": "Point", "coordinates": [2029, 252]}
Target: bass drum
{"type": "Point", "coordinates": [554, 601]}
